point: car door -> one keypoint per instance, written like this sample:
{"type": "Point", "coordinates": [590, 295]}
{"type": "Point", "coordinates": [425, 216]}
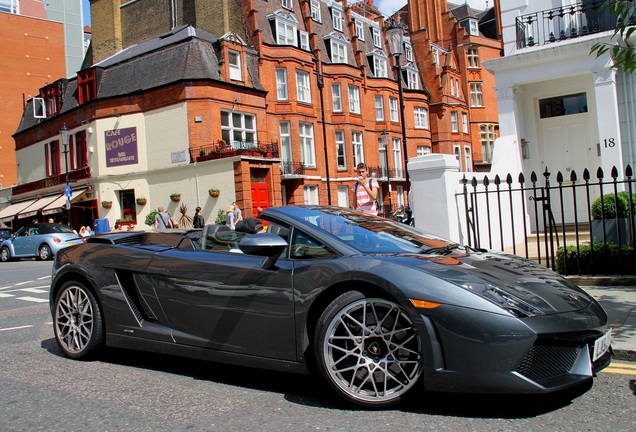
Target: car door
{"type": "Point", "coordinates": [227, 301]}
{"type": "Point", "coordinates": [23, 242]}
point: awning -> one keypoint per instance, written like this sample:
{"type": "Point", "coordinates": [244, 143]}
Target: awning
{"type": "Point", "coordinates": [37, 206]}
{"type": "Point", "coordinates": [12, 210]}
{"type": "Point", "coordinates": [60, 202]}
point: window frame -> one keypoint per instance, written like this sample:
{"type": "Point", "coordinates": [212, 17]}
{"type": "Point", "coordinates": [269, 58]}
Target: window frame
{"type": "Point", "coordinates": [377, 37]}
{"type": "Point", "coordinates": [420, 117]}
{"type": "Point", "coordinates": [307, 144]}
{"type": "Point", "coordinates": [476, 94]}
{"type": "Point", "coordinates": [359, 29]}
{"type": "Point", "coordinates": [487, 140]}
{"type": "Point", "coordinates": [336, 18]}
{"type": "Point", "coordinates": [235, 68]}
{"type": "Point", "coordinates": [357, 144]}
{"type": "Point", "coordinates": [341, 150]}
{"type": "Point", "coordinates": [282, 86]}
{"type": "Point", "coordinates": [86, 86]}
{"type": "Point", "coordinates": [454, 122]}
{"type": "Point", "coordinates": [338, 50]}
{"type": "Point", "coordinates": [393, 110]}
{"type": "Point", "coordinates": [379, 107]}
{"type": "Point", "coordinates": [336, 99]}
{"type": "Point", "coordinates": [303, 86]}
{"type": "Point", "coordinates": [465, 122]}
{"type": "Point", "coordinates": [472, 54]}
{"type": "Point", "coordinates": [316, 14]}
{"type": "Point", "coordinates": [354, 99]}
{"type": "Point", "coordinates": [229, 130]}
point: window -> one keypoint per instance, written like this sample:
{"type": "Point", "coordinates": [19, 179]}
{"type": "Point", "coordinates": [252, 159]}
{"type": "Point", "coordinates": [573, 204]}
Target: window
{"type": "Point", "coordinates": [451, 82]}
{"type": "Point", "coordinates": [303, 89]}
{"type": "Point", "coordinates": [393, 109]}
{"type": "Point", "coordinates": [354, 99]}
{"type": "Point", "coordinates": [310, 196]}
{"type": "Point", "coordinates": [281, 84]}
{"type": "Point", "coordinates": [51, 95]}
{"type": "Point", "coordinates": [487, 133]}
{"type": "Point", "coordinates": [343, 196]}
{"type": "Point", "coordinates": [79, 150]}
{"type": "Point", "coordinates": [458, 93]}
{"type": "Point", "coordinates": [10, 6]}
{"type": "Point", "coordinates": [473, 57]}
{"type": "Point", "coordinates": [464, 122]}
{"type": "Point", "coordinates": [288, 4]}
{"type": "Point", "coordinates": [413, 81]}
{"type": "Point", "coordinates": [235, 65]}
{"type": "Point", "coordinates": [377, 39]}
{"type": "Point", "coordinates": [435, 56]}
{"type": "Point", "coordinates": [408, 52]}
{"type": "Point", "coordinates": [304, 40]}
{"type": "Point", "coordinates": [456, 152]}
{"type": "Point", "coordinates": [337, 19]}
{"type": "Point", "coordinates": [359, 29]}
{"type": "Point", "coordinates": [358, 148]}
{"type": "Point", "coordinates": [468, 159]}
{"type": "Point", "coordinates": [340, 150]}
{"type": "Point", "coordinates": [400, 196]}
{"type": "Point", "coordinates": [52, 157]}
{"type": "Point", "coordinates": [384, 169]}
{"type": "Point", "coordinates": [423, 150]}
{"type": "Point", "coordinates": [315, 11]}
{"type": "Point", "coordinates": [563, 105]}
{"type": "Point", "coordinates": [473, 27]}
{"type": "Point", "coordinates": [285, 146]}
{"type": "Point", "coordinates": [475, 94]}
{"type": "Point", "coordinates": [307, 148]}
{"type": "Point", "coordinates": [336, 96]}
{"type": "Point", "coordinates": [238, 129]}
{"type": "Point", "coordinates": [454, 125]}
{"type": "Point", "coordinates": [338, 51]}
{"type": "Point", "coordinates": [86, 86]}
{"type": "Point", "coordinates": [397, 156]}
{"type": "Point", "coordinates": [379, 108]}
{"type": "Point", "coordinates": [379, 67]}
{"type": "Point", "coordinates": [285, 33]}
{"type": "Point", "coordinates": [421, 117]}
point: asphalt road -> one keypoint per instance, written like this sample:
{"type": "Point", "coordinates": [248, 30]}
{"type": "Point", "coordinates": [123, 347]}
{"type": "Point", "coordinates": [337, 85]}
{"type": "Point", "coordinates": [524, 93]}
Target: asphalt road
{"type": "Point", "coordinates": [40, 390]}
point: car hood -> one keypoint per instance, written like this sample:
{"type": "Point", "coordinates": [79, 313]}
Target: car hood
{"type": "Point", "coordinates": [513, 283]}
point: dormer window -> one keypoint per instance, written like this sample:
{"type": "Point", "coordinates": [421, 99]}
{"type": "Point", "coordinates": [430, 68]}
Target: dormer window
{"type": "Point", "coordinates": [287, 4]}
{"type": "Point", "coordinates": [234, 61]}
{"type": "Point", "coordinates": [472, 26]}
{"type": "Point", "coordinates": [377, 60]}
{"type": "Point", "coordinates": [359, 29]}
{"type": "Point", "coordinates": [86, 86]}
{"type": "Point", "coordinates": [285, 28]}
{"type": "Point", "coordinates": [337, 47]}
{"type": "Point", "coordinates": [377, 40]}
{"type": "Point", "coordinates": [315, 11]}
{"type": "Point", "coordinates": [408, 52]}
{"type": "Point", "coordinates": [52, 98]}
{"type": "Point", "coordinates": [337, 19]}
{"type": "Point", "coordinates": [412, 77]}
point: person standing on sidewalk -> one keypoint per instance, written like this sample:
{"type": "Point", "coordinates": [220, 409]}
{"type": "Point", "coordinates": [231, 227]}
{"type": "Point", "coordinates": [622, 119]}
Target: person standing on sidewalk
{"type": "Point", "coordinates": [365, 191]}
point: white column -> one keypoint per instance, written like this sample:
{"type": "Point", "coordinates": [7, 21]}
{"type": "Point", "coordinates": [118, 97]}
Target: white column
{"type": "Point", "coordinates": [507, 157]}
{"type": "Point", "coordinates": [607, 116]}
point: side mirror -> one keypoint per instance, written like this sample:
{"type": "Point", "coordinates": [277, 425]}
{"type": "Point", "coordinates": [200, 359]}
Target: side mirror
{"type": "Point", "coordinates": [266, 245]}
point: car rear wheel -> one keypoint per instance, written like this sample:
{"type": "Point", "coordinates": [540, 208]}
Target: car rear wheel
{"type": "Point", "coordinates": [77, 321]}
{"type": "Point", "coordinates": [5, 254]}
{"type": "Point", "coordinates": [368, 349]}
{"type": "Point", "coordinates": [44, 253]}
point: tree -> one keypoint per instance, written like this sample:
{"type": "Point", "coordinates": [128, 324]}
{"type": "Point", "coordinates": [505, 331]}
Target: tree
{"type": "Point", "coordinates": [622, 43]}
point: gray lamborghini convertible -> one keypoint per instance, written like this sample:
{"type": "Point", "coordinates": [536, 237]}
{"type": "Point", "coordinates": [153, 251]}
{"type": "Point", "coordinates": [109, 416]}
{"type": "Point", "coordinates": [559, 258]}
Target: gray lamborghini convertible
{"type": "Point", "coordinates": [375, 306]}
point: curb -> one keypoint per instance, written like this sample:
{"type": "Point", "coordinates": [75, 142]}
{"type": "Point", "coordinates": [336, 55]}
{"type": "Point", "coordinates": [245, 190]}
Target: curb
{"type": "Point", "coordinates": [603, 280]}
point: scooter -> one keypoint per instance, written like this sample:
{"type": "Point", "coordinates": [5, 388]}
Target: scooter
{"type": "Point", "coordinates": [403, 214]}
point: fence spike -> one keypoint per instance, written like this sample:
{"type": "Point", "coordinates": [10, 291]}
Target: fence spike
{"type": "Point", "coordinates": [628, 172]}
{"type": "Point", "coordinates": [614, 172]}
{"type": "Point", "coordinates": [599, 173]}
{"type": "Point", "coordinates": [522, 178]}
{"type": "Point", "coordinates": [586, 175]}
{"type": "Point", "coordinates": [573, 177]}
{"type": "Point", "coordinates": [533, 177]}
{"type": "Point", "coordinates": [559, 178]}
{"type": "Point", "coordinates": [509, 179]}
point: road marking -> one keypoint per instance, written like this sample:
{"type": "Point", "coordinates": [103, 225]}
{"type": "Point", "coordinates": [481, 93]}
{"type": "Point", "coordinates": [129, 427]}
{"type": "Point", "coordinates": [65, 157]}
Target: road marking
{"type": "Point", "coordinates": [45, 277]}
{"type": "Point", "coordinates": [15, 328]}
{"type": "Point", "coordinates": [33, 290]}
{"type": "Point", "coordinates": [32, 299]}
{"type": "Point", "coordinates": [621, 368]}
{"type": "Point", "coordinates": [6, 295]}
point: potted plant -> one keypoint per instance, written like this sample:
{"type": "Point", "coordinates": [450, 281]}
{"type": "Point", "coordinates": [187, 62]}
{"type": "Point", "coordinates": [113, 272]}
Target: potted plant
{"type": "Point", "coordinates": [176, 197]}
{"type": "Point", "coordinates": [141, 201]}
{"type": "Point", "coordinates": [214, 193]}
{"type": "Point", "coordinates": [107, 204]}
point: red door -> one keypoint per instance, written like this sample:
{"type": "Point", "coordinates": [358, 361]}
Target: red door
{"type": "Point", "coordinates": [260, 194]}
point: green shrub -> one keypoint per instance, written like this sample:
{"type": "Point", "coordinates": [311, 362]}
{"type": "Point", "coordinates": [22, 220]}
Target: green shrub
{"type": "Point", "coordinates": [220, 217]}
{"type": "Point", "coordinates": [150, 219]}
{"type": "Point", "coordinates": [611, 207]}
{"type": "Point", "coordinates": [617, 261]}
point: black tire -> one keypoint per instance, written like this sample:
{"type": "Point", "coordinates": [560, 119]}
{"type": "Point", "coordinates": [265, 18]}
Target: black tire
{"type": "Point", "coordinates": [44, 252]}
{"type": "Point", "coordinates": [368, 349]}
{"type": "Point", "coordinates": [5, 254]}
{"type": "Point", "coordinates": [77, 321]}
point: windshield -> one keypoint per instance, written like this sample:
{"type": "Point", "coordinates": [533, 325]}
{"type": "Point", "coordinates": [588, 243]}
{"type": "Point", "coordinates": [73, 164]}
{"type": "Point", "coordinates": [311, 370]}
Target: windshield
{"type": "Point", "coordinates": [372, 234]}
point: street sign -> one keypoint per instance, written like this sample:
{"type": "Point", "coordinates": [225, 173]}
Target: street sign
{"type": "Point", "coordinates": [68, 190]}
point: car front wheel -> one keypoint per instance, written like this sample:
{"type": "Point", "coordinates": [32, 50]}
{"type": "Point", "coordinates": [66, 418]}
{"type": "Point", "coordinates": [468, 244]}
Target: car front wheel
{"type": "Point", "coordinates": [44, 253]}
{"type": "Point", "coordinates": [368, 349]}
{"type": "Point", "coordinates": [5, 254]}
{"type": "Point", "coordinates": [77, 321]}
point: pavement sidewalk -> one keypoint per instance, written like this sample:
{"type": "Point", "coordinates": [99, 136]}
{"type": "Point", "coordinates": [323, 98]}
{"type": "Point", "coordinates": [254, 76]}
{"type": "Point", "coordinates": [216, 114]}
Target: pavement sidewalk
{"type": "Point", "coordinates": [617, 295]}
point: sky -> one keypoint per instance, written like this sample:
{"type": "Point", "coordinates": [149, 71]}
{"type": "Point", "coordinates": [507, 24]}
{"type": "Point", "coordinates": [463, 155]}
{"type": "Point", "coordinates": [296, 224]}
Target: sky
{"type": "Point", "coordinates": [387, 7]}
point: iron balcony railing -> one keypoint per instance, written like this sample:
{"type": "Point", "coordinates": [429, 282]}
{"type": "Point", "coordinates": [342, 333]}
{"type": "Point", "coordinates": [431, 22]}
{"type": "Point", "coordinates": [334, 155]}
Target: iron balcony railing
{"type": "Point", "coordinates": [221, 149]}
{"type": "Point", "coordinates": [564, 23]}
{"type": "Point", "coordinates": [292, 169]}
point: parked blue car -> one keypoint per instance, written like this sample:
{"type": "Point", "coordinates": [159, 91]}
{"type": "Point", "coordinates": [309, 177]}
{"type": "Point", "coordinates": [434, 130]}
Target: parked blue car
{"type": "Point", "coordinates": [41, 240]}
{"type": "Point", "coordinates": [5, 233]}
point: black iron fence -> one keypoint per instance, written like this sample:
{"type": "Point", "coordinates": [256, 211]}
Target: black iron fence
{"type": "Point", "coordinates": [572, 225]}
